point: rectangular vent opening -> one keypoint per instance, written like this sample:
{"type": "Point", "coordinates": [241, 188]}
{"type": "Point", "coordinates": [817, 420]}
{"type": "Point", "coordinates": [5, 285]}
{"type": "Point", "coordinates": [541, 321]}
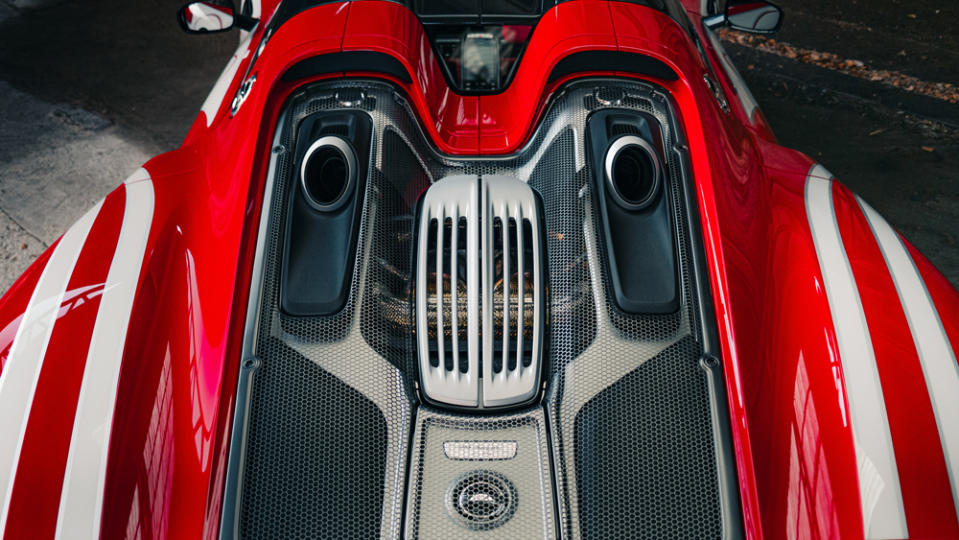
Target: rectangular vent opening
{"type": "Point", "coordinates": [513, 287]}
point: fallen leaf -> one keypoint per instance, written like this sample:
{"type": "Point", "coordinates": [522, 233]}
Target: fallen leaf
{"type": "Point", "coordinates": [928, 148]}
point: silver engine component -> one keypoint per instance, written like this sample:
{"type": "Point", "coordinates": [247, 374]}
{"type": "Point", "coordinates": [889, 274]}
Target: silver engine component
{"type": "Point", "coordinates": [633, 172]}
{"type": "Point", "coordinates": [479, 292]}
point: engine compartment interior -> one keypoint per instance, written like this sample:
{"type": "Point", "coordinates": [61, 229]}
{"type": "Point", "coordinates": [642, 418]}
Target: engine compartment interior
{"type": "Point", "coordinates": [339, 432]}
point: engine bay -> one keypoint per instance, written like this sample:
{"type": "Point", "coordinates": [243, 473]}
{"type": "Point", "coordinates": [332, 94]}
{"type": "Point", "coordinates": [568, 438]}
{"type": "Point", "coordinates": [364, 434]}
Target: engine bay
{"type": "Point", "coordinates": [509, 347]}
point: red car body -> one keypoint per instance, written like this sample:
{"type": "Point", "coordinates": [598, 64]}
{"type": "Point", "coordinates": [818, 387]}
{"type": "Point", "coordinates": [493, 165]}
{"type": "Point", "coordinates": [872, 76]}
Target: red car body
{"type": "Point", "coordinates": [123, 429]}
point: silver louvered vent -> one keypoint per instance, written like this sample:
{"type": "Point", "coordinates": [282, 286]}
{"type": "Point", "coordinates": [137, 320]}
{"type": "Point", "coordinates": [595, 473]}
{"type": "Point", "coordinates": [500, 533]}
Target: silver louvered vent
{"type": "Point", "coordinates": [479, 292]}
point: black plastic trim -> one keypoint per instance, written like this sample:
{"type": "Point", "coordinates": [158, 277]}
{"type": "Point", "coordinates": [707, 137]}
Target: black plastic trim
{"type": "Point", "coordinates": [319, 247]}
{"type": "Point", "coordinates": [640, 246]}
{"type": "Point", "coordinates": [348, 61]}
{"type": "Point", "coordinates": [611, 61]}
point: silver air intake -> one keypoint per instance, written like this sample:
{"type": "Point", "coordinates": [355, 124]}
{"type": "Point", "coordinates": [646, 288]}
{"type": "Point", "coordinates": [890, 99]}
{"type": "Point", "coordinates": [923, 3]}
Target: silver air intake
{"type": "Point", "coordinates": [480, 292]}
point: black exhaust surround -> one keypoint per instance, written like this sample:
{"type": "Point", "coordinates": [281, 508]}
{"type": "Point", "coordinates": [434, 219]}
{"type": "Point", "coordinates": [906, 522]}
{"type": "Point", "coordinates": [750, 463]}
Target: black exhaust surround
{"type": "Point", "coordinates": [332, 152]}
{"type": "Point", "coordinates": [636, 218]}
{"type": "Point", "coordinates": [633, 419]}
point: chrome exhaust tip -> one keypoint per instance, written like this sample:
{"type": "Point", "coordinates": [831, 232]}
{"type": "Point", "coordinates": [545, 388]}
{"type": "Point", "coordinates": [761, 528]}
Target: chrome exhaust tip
{"type": "Point", "coordinates": [633, 173]}
{"type": "Point", "coordinates": [328, 173]}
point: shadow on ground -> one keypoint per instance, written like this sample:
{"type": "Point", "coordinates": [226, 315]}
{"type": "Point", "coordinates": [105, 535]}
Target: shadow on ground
{"type": "Point", "coordinates": [127, 61]}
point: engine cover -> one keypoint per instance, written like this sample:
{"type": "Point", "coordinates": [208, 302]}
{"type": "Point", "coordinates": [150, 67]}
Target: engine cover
{"type": "Point", "coordinates": [479, 292]}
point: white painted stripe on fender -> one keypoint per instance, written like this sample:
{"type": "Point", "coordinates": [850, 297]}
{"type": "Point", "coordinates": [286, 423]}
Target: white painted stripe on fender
{"type": "Point", "coordinates": [882, 507]}
{"type": "Point", "coordinates": [18, 381]}
{"type": "Point", "coordinates": [936, 355]}
{"type": "Point", "coordinates": [215, 98]}
{"type": "Point", "coordinates": [81, 500]}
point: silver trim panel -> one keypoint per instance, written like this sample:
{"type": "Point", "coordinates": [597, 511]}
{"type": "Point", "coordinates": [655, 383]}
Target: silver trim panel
{"type": "Point", "coordinates": [480, 450]}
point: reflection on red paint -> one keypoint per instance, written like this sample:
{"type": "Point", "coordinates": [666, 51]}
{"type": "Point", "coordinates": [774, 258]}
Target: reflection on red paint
{"type": "Point", "coordinates": [158, 454]}
{"type": "Point", "coordinates": [810, 493]}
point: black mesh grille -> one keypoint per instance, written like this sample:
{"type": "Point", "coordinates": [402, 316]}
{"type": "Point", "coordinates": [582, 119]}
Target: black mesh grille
{"type": "Point", "coordinates": [330, 411]}
{"type": "Point", "coordinates": [311, 476]}
{"type": "Point", "coordinates": [627, 437]}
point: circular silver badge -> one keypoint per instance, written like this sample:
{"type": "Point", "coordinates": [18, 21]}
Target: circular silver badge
{"type": "Point", "coordinates": [481, 500]}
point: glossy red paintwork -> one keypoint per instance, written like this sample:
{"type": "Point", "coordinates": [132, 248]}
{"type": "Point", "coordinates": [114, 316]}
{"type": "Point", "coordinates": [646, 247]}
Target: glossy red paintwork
{"type": "Point", "coordinates": [35, 500]}
{"type": "Point", "coordinates": [15, 300]}
{"type": "Point", "coordinates": [943, 294]}
{"type": "Point", "coordinates": [448, 118]}
{"type": "Point", "coordinates": [923, 477]}
{"type": "Point", "coordinates": [792, 440]}
{"type": "Point", "coordinates": [775, 318]}
{"type": "Point", "coordinates": [323, 27]}
{"type": "Point", "coordinates": [756, 121]}
{"type": "Point", "coordinates": [507, 118]}
{"type": "Point", "coordinates": [174, 380]}
{"type": "Point", "coordinates": [729, 155]}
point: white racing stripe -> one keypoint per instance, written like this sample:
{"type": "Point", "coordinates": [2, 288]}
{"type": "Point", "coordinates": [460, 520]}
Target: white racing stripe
{"type": "Point", "coordinates": [936, 355]}
{"type": "Point", "coordinates": [882, 507]}
{"type": "Point", "coordinates": [81, 500]}
{"type": "Point", "coordinates": [215, 98]}
{"type": "Point", "coordinates": [18, 381]}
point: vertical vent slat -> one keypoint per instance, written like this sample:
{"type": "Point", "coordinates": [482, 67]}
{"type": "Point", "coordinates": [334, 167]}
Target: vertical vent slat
{"type": "Point", "coordinates": [429, 261]}
{"type": "Point", "coordinates": [448, 283]}
{"type": "Point", "coordinates": [531, 232]}
{"type": "Point", "coordinates": [504, 234]}
{"type": "Point", "coordinates": [509, 288]}
{"type": "Point", "coordinates": [462, 247]}
{"type": "Point", "coordinates": [441, 225]}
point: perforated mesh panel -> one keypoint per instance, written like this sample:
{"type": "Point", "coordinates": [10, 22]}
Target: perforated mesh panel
{"type": "Point", "coordinates": [436, 508]}
{"type": "Point", "coordinates": [627, 433]}
{"type": "Point", "coordinates": [329, 413]}
{"type": "Point", "coordinates": [633, 452]}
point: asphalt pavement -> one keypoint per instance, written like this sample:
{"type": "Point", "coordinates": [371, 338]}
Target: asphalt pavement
{"type": "Point", "coordinates": [90, 89]}
{"type": "Point", "coordinates": [896, 149]}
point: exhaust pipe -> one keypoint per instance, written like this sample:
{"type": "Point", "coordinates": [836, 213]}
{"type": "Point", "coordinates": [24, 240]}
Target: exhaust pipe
{"type": "Point", "coordinates": [633, 173]}
{"type": "Point", "coordinates": [328, 173]}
